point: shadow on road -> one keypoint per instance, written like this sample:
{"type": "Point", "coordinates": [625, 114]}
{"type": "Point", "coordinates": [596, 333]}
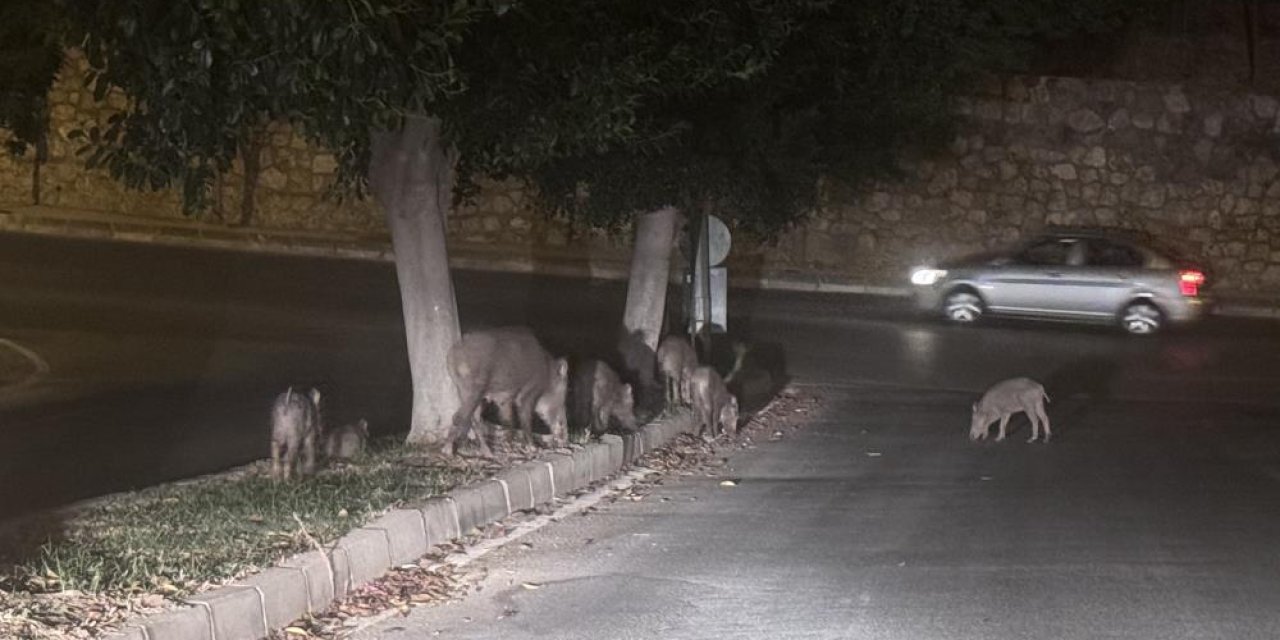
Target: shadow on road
{"type": "Point", "coordinates": [1078, 387]}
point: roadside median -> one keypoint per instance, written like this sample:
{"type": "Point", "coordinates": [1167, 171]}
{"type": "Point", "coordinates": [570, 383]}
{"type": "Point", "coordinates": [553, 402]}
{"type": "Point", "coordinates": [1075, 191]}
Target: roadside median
{"type": "Point", "coordinates": [309, 582]}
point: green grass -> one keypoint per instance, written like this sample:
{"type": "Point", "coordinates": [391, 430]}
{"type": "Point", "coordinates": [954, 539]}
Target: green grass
{"type": "Point", "coordinates": [174, 538]}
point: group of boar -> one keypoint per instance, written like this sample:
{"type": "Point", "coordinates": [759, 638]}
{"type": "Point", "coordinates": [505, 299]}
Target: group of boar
{"type": "Point", "coordinates": [508, 370]}
{"type": "Point", "coordinates": [298, 430]}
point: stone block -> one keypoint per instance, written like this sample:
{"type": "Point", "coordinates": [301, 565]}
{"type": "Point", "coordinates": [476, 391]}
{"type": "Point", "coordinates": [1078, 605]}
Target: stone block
{"type": "Point", "coordinates": [617, 451]}
{"type": "Point", "coordinates": [519, 489]}
{"type": "Point", "coordinates": [652, 435]}
{"type": "Point", "coordinates": [284, 594]}
{"type": "Point", "coordinates": [495, 502]}
{"type": "Point", "coordinates": [318, 577]}
{"type": "Point", "coordinates": [188, 623]}
{"type": "Point", "coordinates": [440, 520]}
{"type": "Point", "coordinates": [406, 534]}
{"type": "Point", "coordinates": [470, 507]}
{"type": "Point", "coordinates": [601, 461]}
{"type": "Point", "coordinates": [562, 471]}
{"type": "Point", "coordinates": [129, 633]}
{"type": "Point", "coordinates": [541, 481]}
{"type": "Point", "coordinates": [236, 612]}
{"type": "Point", "coordinates": [582, 468]}
{"type": "Point", "coordinates": [367, 554]}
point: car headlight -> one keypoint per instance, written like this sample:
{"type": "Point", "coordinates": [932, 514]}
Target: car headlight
{"type": "Point", "coordinates": [926, 277]}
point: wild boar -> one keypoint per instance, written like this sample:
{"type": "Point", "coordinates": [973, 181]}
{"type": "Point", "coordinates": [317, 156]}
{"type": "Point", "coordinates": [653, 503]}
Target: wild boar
{"type": "Point", "coordinates": [676, 360]}
{"type": "Point", "coordinates": [508, 367]}
{"type": "Point", "coordinates": [1006, 398]}
{"type": "Point", "coordinates": [611, 400]}
{"type": "Point", "coordinates": [347, 441]}
{"type": "Point", "coordinates": [714, 408]}
{"type": "Point", "coordinates": [295, 428]}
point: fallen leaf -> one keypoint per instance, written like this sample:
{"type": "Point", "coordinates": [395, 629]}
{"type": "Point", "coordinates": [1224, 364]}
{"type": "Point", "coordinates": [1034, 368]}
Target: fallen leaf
{"type": "Point", "coordinates": [531, 585]}
{"type": "Point", "coordinates": [728, 483]}
{"type": "Point", "coordinates": [296, 631]}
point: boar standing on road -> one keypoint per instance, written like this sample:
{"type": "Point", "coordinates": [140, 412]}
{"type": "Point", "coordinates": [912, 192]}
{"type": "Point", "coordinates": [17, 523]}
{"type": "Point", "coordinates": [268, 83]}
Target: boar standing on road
{"type": "Point", "coordinates": [676, 361]}
{"type": "Point", "coordinates": [1003, 400]}
{"type": "Point", "coordinates": [508, 367]}
{"type": "Point", "coordinates": [714, 408]}
{"type": "Point", "coordinates": [295, 428]}
{"type": "Point", "coordinates": [347, 441]}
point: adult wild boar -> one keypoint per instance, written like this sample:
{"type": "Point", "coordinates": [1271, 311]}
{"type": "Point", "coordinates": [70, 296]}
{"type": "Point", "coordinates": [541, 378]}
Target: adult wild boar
{"type": "Point", "coordinates": [1006, 398]}
{"type": "Point", "coordinates": [714, 408]}
{"type": "Point", "coordinates": [676, 362]}
{"type": "Point", "coordinates": [508, 367]}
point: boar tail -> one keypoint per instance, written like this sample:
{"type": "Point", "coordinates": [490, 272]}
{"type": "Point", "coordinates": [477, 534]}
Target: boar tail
{"type": "Point", "coordinates": [1045, 394]}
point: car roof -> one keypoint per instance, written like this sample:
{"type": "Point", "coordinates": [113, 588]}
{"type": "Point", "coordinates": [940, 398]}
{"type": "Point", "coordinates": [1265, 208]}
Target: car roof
{"type": "Point", "coordinates": [1131, 236]}
{"type": "Point", "coordinates": [1095, 232]}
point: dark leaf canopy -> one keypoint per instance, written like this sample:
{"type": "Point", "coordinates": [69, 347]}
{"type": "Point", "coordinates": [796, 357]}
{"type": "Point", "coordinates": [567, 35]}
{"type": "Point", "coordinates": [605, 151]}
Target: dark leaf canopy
{"type": "Point", "coordinates": [30, 55]}
{"type": "Point", "coordinates": [847, 92]}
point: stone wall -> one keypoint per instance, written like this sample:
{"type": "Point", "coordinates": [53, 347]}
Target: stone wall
{"type": "Point", "coordinates": [1197, 166]}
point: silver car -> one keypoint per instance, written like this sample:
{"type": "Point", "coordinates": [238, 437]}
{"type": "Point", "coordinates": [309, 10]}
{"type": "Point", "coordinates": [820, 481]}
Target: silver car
{"type": "Point", "coordinates": [1076, 275]}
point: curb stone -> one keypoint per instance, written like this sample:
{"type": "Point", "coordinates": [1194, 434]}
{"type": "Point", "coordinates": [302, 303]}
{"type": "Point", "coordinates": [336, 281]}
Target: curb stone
{"type": "Point", "coordinates": [308, 582]}
{"type": "Point", "coordinates": [282, 591]}
{"type": "Point", "coordinates": [406, 535]}
{"type": "Point", "coordinates": [235, 612]}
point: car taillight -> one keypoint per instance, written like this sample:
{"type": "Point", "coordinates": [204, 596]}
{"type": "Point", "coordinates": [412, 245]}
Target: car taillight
{"type": "Point", "coordinates": [1189, 282]}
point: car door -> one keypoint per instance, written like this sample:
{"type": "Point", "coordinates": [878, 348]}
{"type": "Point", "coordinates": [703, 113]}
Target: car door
{"type": "Point", "coordinates": [1043, 279]}
{"type": "Point", "coordinates": [1111, 267]}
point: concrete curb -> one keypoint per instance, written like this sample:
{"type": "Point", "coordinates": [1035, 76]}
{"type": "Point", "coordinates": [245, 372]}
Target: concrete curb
{"type": "Point", "coordinates": [250, 609]}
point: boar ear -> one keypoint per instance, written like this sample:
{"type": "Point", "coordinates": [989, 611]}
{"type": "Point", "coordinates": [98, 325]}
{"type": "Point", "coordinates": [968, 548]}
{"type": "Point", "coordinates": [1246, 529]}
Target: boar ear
{"type": "Point", "coordinates": [363, 425]}
{"type": "Point", "coordinates": [975, 407]}
{"type": "Point", "coordinates": [562, 366]}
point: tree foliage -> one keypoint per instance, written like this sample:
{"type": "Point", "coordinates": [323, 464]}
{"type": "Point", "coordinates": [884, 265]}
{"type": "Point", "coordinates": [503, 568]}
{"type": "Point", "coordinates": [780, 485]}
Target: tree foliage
{"type": "Point", "coordinates": [516, 84]}
{"type": "Point", "coordinates": [199, 75]}
{"type": "Point", "coordinates": [30, 55]}
{"type": "Point", "coordinates": [852, 87]}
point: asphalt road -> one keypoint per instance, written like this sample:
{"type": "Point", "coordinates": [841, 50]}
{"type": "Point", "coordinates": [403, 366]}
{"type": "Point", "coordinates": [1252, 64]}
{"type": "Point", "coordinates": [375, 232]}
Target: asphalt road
{"type": "Point", "coordinates": [1152, 514]}
{"type": "Point", "coordinates": [880, 520]}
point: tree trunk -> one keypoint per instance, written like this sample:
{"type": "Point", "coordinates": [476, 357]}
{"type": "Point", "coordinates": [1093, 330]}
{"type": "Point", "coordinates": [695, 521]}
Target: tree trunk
{"type": "Point", "coordinates": [411, 176]}
{"type": "Point", "coordinates": [647, 294]}
{"type": "Point", "coordinates": [251, 153]}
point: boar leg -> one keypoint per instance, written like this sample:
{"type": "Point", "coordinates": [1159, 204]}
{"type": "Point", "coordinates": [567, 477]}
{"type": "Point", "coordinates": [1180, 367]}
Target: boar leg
{"type": "Point", "coordinates": [464, 419]}
{"type": "Point", "coordinates": [309, 453]}
{"type": "Point", "coordinates": [1004, 421]}
{"type": "Point", "coordinates": [1044, 420]}
{"type": "Point", "coordinates": [277, 451]}
{"type": "Point", "coordinates": [525, 405]}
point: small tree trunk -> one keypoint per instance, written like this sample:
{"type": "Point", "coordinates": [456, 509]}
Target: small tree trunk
{"type": "Point", "coordinates": [1250, 9]}
{"type": "Point", "coordinates": [251, 152]}
{"type": "Point", "coordinates": [411, 176]}
{"type": "Point", "coordinates": [647, 295]}
{"type": "Point", "coordinates": [41, 157]}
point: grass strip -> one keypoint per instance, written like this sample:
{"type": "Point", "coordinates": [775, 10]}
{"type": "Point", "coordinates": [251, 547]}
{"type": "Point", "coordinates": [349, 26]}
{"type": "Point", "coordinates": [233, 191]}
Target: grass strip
{"type": "Point", "coordinates": [175, 539]}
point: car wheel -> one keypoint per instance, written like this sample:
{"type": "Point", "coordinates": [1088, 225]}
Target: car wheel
{"type": "Point", "coordinates": [963, 307]}
{"type": "Point", "coordinates": [1141, 318]}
